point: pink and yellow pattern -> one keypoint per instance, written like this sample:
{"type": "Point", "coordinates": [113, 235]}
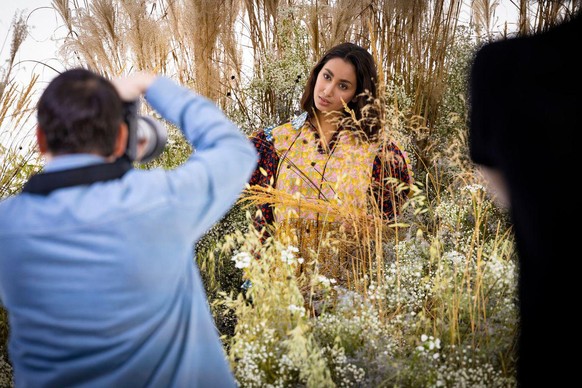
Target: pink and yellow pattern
{"type": "Point", "coordinates": [293, 160]}
{"type": "Point", "coordinates": [341, 175]}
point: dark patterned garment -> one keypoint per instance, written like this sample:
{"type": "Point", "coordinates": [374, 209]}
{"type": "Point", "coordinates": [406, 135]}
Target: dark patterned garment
{"type": "Point", "coordinates": [394, 166]}
{"type": "Point", "coordinates": [268, 162]}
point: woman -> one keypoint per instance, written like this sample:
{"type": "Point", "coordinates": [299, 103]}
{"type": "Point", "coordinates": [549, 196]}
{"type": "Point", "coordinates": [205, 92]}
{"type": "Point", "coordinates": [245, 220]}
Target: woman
{"type": "Point", "coordinates": [333, 151]}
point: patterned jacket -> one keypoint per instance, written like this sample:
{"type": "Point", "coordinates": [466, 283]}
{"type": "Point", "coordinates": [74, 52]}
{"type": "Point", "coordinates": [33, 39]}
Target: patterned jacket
{"type": "Point", "coordinates": [292, 159]}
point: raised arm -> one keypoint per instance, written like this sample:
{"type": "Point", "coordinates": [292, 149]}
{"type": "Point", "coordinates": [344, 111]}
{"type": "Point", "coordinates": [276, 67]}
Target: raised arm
{"type": "Point", "coordinates": [223, 158]}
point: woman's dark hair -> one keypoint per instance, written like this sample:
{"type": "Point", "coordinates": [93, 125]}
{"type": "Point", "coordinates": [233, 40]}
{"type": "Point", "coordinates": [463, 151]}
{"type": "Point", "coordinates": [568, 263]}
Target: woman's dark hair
{"type": "Point", "coordinates": [366, 92]}
{"type": "Point", "coordinates": [80, 112]}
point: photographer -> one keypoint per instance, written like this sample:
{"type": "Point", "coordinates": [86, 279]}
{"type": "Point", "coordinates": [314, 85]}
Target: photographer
{"type": "Point", "coordinates": [96, 258]}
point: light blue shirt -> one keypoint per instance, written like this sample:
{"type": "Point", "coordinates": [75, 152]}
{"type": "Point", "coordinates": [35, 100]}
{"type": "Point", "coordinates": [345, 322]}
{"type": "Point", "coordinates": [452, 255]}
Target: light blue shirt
{"type": "Point", "coordinates": [99, 280]}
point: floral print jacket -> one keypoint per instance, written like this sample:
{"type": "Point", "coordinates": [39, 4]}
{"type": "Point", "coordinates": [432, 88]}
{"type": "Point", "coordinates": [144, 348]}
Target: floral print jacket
{"type": "Point", "coordinates": [292, 159]}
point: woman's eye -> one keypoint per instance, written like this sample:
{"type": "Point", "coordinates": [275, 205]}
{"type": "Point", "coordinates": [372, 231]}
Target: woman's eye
{"type": "Point", "coordinates": [326, 76]}
{"type": "Point", "coordinates": [343, 86]}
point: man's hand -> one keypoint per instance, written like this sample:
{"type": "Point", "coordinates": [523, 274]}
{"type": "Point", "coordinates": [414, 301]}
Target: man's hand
{"type": "Point", "coordinates": [131, 87]}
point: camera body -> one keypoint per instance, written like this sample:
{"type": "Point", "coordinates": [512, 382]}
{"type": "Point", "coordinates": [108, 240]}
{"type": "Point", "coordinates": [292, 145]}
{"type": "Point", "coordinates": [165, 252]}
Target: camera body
{"type": "Point", "coordinates": [147, 137]}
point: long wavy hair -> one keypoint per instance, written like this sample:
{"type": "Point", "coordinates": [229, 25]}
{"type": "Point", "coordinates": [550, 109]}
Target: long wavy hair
{"type": "Point", "coordinates": [366, 112]}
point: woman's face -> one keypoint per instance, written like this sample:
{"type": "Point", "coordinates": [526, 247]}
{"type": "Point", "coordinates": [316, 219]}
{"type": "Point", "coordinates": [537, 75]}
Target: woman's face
{"type": "Point", "coordinates": [336, 82]}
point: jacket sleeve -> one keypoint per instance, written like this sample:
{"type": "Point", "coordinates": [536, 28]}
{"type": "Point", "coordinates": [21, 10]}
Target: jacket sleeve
{"type": "Point", "coordinates": [265, 173]}
{"type": "Point", "coordinates": [268, 160]}
{"type": "Point", "coordinates": [213, 177]}
{"type": "Point", "coordinates": [388, 172]}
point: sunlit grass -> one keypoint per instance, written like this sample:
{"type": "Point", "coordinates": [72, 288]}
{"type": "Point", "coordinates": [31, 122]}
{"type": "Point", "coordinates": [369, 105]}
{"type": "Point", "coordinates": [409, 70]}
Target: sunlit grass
{"type": "Point", "coordinates": [351, 299]}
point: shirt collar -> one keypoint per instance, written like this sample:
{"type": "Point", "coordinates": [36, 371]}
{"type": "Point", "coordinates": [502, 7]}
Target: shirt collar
{"type": "Point", "coordinates": [65, 162]}
{"type": "Point", "coordinates": [298, 121]}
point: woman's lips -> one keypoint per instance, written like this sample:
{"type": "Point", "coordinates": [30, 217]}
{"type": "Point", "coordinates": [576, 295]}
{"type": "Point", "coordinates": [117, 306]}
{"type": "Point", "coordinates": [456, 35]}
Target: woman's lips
{"type": "Point", "coordinates": [323, 101]}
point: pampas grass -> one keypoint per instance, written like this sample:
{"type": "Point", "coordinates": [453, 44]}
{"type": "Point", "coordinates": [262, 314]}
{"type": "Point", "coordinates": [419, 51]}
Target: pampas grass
{"type": "Point", "coordinates": [426, 299]}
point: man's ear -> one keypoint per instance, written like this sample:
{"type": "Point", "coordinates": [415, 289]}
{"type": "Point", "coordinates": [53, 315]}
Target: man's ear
{"type": "Point", "coordinates": [121, 140]}
{"type": "Point", "coordinates": [41, 140]}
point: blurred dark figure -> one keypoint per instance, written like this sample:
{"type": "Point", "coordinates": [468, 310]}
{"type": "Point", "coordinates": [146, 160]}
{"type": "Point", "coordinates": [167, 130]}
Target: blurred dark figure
{"type": "Point", "coordinates": [526, 105]}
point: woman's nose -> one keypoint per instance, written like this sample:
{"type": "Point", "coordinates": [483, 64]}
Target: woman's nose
{"type": "Point", "coordinates": [328, 90]}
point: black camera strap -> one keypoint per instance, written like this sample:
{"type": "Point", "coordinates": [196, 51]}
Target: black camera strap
{"type": "Point", "coordinates": [46, 182]}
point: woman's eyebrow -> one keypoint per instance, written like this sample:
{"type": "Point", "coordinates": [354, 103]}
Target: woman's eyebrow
{"type": "Point", "coordinates": [331, 73]}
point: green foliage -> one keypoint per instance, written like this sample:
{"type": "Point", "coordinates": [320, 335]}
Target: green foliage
{"type": "Point", "coordinates": [438, 307]}
{"type": "Point", "coordinates": [175, 153]}
{"type": "Point", "coordinates": [448, 138]}
{"type": "Point", "coordinates": [405, 330]}
{"type": "Point", "coordinates": [359, 346]}
{"type": "Point", "coordinates": [5, 368]}
{"type": "Point", "coordinates": [440, 312]}
{"type": "Point", "coordinates": [218, 272]}
{"type": "Point", "coordinates": [272, 93]}
{"type": "Point", "coordinates": [273, 343]}
{"type": "Point", "coordinates": [15, 170]}
{"type": "Point", "coordinates": [454, 108]}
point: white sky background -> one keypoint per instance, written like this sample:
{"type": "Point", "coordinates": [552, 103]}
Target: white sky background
{"type": "Point", "coordinates": [46, 30]}
{"type": "Point", "coordinates": [39, 48]}
{"type": "Point", "coordinates": [40, 44]}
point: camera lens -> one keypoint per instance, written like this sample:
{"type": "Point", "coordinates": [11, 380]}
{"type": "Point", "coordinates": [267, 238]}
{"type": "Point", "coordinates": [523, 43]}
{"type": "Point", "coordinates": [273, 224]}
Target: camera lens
{"type": "Point", "coordinates": [151, 139]}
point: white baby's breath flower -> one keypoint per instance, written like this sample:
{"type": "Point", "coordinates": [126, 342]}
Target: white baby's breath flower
{"type": "Point", "coordinates": [325, 282]}
{"type": "Point", "coordinates": [297, 309]}
{"type": "Point", "coordinates": [473, 188]}
{"type": "Point", "coordinates": [423, 337]}
{"type": "Point", "coordinates": [242, 260]}
{"type": "Point", "coordinates": [288, 255]}
{"type": "Point", "coordinates": [454, 257]}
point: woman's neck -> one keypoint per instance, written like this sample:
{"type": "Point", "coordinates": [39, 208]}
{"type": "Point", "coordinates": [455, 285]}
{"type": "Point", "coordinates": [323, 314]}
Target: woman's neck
{"type": "Point", "coordinates": [326, 126]}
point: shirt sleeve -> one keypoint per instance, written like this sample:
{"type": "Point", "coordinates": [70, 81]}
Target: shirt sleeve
{"type": "Point", "coordinates": [390, 163]}
{"type": "Point", "coordinates": [211, 180]}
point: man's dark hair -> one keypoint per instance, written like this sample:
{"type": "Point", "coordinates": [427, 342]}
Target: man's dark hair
{"type": "Point", "coordinates": [80, 112]}
{"type": "Point", "coordinates": [366, 77]}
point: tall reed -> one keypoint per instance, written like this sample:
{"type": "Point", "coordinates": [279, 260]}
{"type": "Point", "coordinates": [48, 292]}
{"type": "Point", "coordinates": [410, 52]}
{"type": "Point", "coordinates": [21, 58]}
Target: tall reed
{"type": "Point", "coordinates": [18, 156]}
{"type": "Point", "coordinates": [437, 281]}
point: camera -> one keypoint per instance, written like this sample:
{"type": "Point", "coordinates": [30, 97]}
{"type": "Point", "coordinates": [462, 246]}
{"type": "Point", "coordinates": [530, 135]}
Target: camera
{"type": "Point", "coordinates": [147, 136]}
